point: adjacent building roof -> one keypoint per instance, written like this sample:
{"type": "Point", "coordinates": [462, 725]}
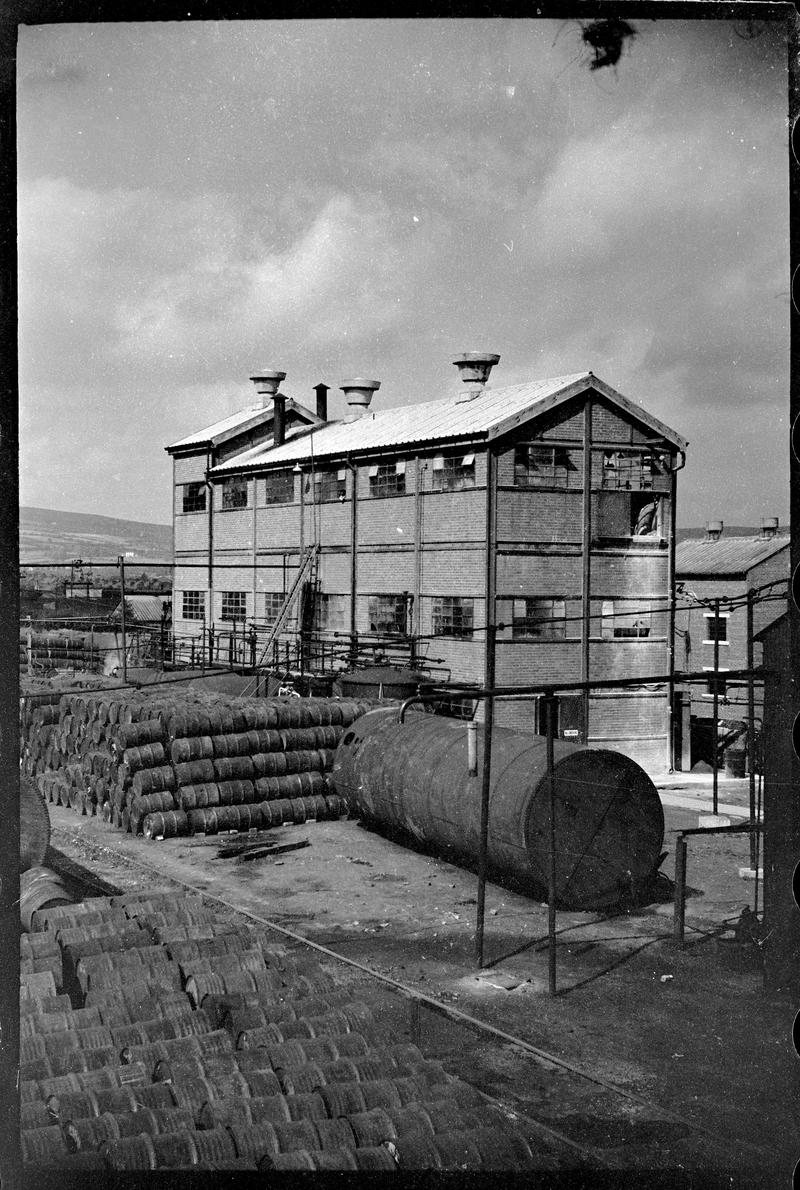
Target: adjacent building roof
{"type": "Point", "coordinates": [726, 557]}
{"type": "Point", "coordinates": [236, 423]}
{"type": "Point", "coordinates": [143, 609]}
{"type": "Point", "coordinates": [462, 416]}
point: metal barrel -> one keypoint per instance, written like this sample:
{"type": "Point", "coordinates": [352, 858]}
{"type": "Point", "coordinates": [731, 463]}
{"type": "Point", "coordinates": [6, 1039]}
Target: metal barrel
{"type": "Point", "coordinates": [198, 747]}
{"type": "Point", "coordinates": [39, 889]}
{"type": "Point", "coordinates": [414, 777]}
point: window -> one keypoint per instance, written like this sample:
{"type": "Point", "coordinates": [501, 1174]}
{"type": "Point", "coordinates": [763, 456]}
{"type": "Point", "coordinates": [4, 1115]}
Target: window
{"type": "Point", "coordinates": [330, 485]}
{"type": "Point", "coordinates": [194, 497]}
{"type": "Point", "coordinates": [234, 492]}
{"type": "Point", "coordinates": [720, 683]}
{"type": "Point", "coordinates": [194, 605]}
{"type": "Point", "coordinates": [628, 514]}
{"type": "Point", "coordinates": [273, 602]}
{"type": "Point", "coordinates": [387, 479]}
{"type": "Point", "coordinates": [544, 619]}
{"type": "Point", "coordinates": [452, 616]}
{"type": "Point", "coordinates": [234, 605]}
{"type": "Point", "coordinates": [279, 487]}
{"type": "Point", "coordinates": [620, 619]}
{"type": "Point", "coordinates": [387, 613]}
{"type": "Point", "coordinates": [452, 472]}
{"type": "Point", "coordinates": [331, 613]}
{"type": "Point", "coordinates": [631, 470]}
{"type": "Point", "coordinates": [537, 465]}
{"type": "Point", "coordinates": [716, 629]}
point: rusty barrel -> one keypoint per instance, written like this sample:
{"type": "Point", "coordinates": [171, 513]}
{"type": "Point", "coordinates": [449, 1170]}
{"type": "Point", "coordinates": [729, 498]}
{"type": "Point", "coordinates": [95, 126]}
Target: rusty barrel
{"type": "Point", "coordinates": [414, 777]}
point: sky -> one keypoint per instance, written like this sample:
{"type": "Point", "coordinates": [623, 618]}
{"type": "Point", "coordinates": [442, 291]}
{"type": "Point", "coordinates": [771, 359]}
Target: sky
{"type": "Point", "coordinates": [200, 199]}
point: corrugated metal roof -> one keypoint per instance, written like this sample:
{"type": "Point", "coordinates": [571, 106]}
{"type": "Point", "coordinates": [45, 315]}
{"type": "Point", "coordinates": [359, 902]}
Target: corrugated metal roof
{"type": "Point", "coordinates": [232, 422]}
{"type": "Point", "coordinates": [458, 416]}
{"type": "Point", "coordinates": [144, 609]}
{"type": "Point", "coordinates": [727, 555]}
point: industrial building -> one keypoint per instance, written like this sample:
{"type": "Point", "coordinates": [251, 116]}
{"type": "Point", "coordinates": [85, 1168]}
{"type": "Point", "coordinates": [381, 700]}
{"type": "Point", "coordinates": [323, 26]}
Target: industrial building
{"type": "Point", "coordinates": [714, 624]}
{"type": "Point", "coordinates": [549, 503]}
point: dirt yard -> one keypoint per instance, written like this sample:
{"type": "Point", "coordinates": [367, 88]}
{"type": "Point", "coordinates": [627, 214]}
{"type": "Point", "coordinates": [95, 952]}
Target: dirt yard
{"type": "Point", "coordinates": [663, 1058]}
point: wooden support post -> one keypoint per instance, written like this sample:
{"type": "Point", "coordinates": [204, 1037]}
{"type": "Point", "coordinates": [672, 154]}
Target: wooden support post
{"type": "Point", "coordinates": [549, 709]}
{"type": "Point", "coordinates": [121, 561]}
{"type": "Point", "coordinates": [751, 729]}
{"type": "Point", "coordinates": [715, 712]}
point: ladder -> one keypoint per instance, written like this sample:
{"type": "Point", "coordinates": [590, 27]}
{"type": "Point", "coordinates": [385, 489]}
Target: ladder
{"type": "Point", "coordinates": [306, 569]}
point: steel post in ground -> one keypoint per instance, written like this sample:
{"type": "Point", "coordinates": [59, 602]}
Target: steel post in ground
{"type": "Point", "coordinates": [485, 788]}
{"type": "Point", "coordinates": [680, 890]}
{"type": "Point", "coordinates": [121, 561]}
{"type": "Point", "coordinates": [549, 710]}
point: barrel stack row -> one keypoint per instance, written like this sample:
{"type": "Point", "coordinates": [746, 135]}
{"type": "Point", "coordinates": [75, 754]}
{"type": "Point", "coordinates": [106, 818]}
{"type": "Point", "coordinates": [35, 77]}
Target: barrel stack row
{"type": "Point", "coordinates": [171, 1035]}
{"type": "Point", "coordinates": [180, 763]}
{"type": "Point", "coordinates": [65, 649]}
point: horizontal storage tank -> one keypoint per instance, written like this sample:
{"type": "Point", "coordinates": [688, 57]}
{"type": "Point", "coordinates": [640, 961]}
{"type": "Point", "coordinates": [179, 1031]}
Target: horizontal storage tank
{"type": "Point", "coordinates": [414, 777]}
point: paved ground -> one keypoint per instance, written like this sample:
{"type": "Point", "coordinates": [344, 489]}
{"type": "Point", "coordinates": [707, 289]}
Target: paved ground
{"type": "Point", "coordinates": [688, 1036]}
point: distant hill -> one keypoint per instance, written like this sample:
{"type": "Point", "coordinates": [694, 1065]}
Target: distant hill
{"type": "Point", "coordinates": [48, 535]}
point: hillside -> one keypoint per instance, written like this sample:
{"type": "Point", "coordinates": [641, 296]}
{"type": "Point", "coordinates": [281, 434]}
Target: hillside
{"type": "Point", "coordinates": [48, 535]}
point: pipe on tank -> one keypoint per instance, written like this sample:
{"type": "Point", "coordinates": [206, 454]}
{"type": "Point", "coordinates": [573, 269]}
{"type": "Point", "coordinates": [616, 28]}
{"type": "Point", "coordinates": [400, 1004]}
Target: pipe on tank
{"type": "Point", "coordinates": [414, 777]}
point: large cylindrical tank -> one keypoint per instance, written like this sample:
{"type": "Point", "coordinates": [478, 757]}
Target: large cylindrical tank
{"type": "Point", "coordinates": [414, 777]}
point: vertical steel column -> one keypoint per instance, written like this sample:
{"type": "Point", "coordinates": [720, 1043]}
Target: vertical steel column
{"type": "Point", "coordinates": [29, 648]}
{"type": "Point", "coordinates": [751, 724]}
{"type": "Point", "coordinates": [489, 682]}
{"type": "Point", "coordinates": [121, 562]}
{"type": "Point", "coordinates": [549, 710]}
{"type": "Point", "coordinates": [586, 560]}
{"type": "Point", "coordinates": [715, 711]}
{"type": "Point", "coordinates": [680, 889]}
{"type": "Point", "coordinates": [672, 530]}
{"type": "Point", "coordinates": [353, 560]}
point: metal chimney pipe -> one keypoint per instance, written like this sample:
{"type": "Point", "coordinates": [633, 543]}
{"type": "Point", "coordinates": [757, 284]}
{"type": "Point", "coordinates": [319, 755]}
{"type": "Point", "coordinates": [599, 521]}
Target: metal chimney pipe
{"type": "Point", "coordinates": [279, 420]}
{"type": "Point", "coordinates": [322, 401]}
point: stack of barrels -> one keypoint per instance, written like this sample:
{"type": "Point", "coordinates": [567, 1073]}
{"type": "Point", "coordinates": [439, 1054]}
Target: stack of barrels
{"type": "Point", "coordinates": [180, 763]}
{"type": "Point", "coordinates": [164, 1034]}
{"type": "Point", "coordinates": [65, 649]}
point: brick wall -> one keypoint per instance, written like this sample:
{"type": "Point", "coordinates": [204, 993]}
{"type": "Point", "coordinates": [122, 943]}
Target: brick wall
{"type": "Point", "coordinates": [532, 516]}
{"type": "Point", "coordinates": [536, 574]}
{"type": "Point", "coordinates": [454, 516]}
{"type": "Point", "coordinates": [189, 468]}
{"type": "Point", "coordinates": [629, 574]}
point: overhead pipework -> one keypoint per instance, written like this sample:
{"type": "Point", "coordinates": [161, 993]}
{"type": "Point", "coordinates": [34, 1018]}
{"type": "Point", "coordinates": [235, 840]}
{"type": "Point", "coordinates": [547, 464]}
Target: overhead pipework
{"type": "Point", "coordinates": [420, 777]}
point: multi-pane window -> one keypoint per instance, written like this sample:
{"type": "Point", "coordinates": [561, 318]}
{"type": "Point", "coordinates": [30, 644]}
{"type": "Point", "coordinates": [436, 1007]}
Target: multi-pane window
{"type": "Point", "coordinates": [194, 497]}
{"type": "Point", "coordinates": [716, 629]}
{"type": "Point", "coordinates": [452, 616]}
{"type": "Point", "coordinates": [279, 487]}
{"type": "Point", "coordinates": [620, 619]}
{"type": "Point", "coordinates": [331, 613]}
{"type": "Point", "coordinates": [387, 613]}
{"type": "Point", "coordinates": [538, 465]}
{"type": "Point", "coordinates": [542, 618]}
{"type": "Point", "coordinates": [330, 485]}
{"type": "Point", "coordinates": [631, 470]}
{"type": "Point", "coordinates": [273, 602]}
{"type": "Point", "coordinates": [194, 605]}
{"type": "Point", "coordinates": [387, 479]}
{"type": "Point", "coordinates": [234, 492]}
{"type": "Point", "coordinates": [234, 605]}
{"type": "Point", "coordinates": [716, 684]}
{"type": "Point", "coordinates": [452, 472]}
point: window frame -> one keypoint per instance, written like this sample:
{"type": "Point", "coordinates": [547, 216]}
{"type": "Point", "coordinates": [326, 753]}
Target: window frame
{"type": "Point", "coordinates": [399, 614]}
{"type": "Point", "coordinates": [715, 675]}
{"type": "Point", "coordinates": [444, 610]}
{"type": "Point", "coordinates": [226, 616]}
{"type": "Point", "coordinates": [199, 497]}
{"type": "Point", "coordinates": [454, 475]}
{"type": "Point", "coordinates": [552, 473]}
{"type": "Point", "coordinates": [522, 625]}
{"type": "Point", "coordinates": [709, 638]}
{"type": "Point", "coordinates": [201, 602]}
{"type": "Point", "coordinates": [325, 604]}
{"type": "Point", "coordinates": [379, 476]}
{"type": "Point", "coordinates": [276, 600]}
{"type": "Point", "coordinates": [278, 495]}
{"type": "Point", "coordinates": [232, 488]}
{"type": "Point", "coordinates": [330, 485]}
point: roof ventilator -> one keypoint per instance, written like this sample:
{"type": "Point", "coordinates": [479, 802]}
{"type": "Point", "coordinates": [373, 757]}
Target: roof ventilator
{"type": "Point", "coordinates": [267, 383]}
{"type": "Point", "coordinates": [714, 530]}
{"type": "Point", "coordinates": [359, 394]}
{"type": "Point", "coordinates": [769, 526]}
{"type": "Point", "coordinates": [474, 368]}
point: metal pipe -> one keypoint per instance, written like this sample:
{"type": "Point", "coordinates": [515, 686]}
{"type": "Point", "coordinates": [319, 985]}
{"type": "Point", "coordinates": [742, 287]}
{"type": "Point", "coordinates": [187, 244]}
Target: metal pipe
{"type": "Point", "coordinates": [472, 748]}
{"type": "Point", "coordinates": [751, 718]}
{"type": "Point", "coordinates": [715, 711]}
{"type": "Point", "coordinates": [353, 562]}
{"type": "Point", "coordinates": [550, 706]}
{"type": "Point", "coordinates": [680, 889]}
{"type": "Point", "coordinates": [121, 562]}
